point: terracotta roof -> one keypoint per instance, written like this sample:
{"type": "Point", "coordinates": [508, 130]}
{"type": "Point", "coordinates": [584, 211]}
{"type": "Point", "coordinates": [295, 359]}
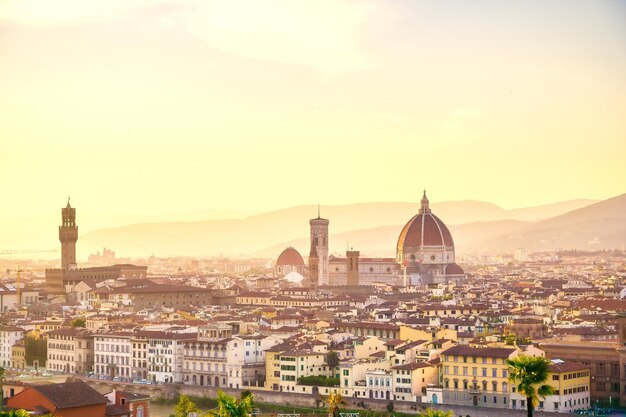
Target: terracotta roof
{"type": "Point", "coordinates": [290, 256]}
{"type": "Point", "coordinates": [566, 367]}
{"type": "Point", "coordinates": [70, 394]}
{"type": "Point", "coordinates": [454, 269]}
{"type": "Point", "coordinates": [425, 229]}
{"type": "Point", "coordinates": [412, 366]}
{"type": "Point", "coordinates": [461, 350]}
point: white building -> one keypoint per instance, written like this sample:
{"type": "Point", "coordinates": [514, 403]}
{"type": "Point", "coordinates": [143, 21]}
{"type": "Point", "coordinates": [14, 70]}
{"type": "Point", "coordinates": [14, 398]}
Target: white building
{"type": "Point", "coordinates": [245, 359]}
{"type": "Point", "coordinates": [165, 355]}
{"type": "Point", "coordinates": [112, 354]}
{"type": "Point", "coordinates": [9, 335]}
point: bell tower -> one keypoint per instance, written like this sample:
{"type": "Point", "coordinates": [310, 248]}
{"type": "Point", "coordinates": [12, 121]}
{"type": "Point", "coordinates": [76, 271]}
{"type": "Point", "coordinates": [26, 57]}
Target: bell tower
{"type": "Point", "coordinates": [319, 249]}
{"type": "Point", "coordinates": [68, 235]}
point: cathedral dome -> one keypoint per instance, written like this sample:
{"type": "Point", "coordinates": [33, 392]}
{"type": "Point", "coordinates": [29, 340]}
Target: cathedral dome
{"type": "Point", "coordinates": [291, 257]}
{"type": "Point", "coordinates": [425, 229]}
{"type": "Point", "coordinates": [454, 269]}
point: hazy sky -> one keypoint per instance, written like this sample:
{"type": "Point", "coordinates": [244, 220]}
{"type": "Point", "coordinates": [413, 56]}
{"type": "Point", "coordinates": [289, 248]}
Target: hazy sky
{"type": "Point", "coordinates": [163, 106]}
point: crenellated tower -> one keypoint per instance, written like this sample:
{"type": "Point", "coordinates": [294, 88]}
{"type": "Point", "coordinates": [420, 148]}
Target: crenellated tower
{"type": "Point", "coordinates": [68, 235]}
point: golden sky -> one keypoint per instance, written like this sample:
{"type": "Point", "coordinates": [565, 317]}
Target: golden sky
{"type": "Point", "coordinates": [164, 106]}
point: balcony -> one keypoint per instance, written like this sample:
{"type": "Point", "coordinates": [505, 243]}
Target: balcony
{"type": "Point", "coordinates": [474, 390]}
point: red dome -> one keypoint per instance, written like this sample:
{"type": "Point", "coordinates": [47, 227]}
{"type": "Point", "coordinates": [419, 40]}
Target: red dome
{"type": "Point", "coordinates": [425, 229]}
{"type": "Point", "coordinates": [291, 257]}
{"type": "Point", "coordinates": [454, 269]}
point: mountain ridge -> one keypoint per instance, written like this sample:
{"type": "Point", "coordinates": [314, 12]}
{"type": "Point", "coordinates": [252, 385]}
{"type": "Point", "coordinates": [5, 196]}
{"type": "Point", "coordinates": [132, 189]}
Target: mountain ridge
{"type": "Point", "coordinates": [254, 234]}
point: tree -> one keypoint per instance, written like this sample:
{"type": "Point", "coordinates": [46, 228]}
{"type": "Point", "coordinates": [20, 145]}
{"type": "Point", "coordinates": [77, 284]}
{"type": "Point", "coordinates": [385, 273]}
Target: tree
{"type": "Point", "coordinates": [432, 412]}
{"type": "Point", "coordinates": [332, 360]}
{"type": "Point", "coordinates": [228, 406]}
{"type": "Point", "coordinates": [332, 402]}
{"type": "Point", "coordinates": [79, 322]}
{"type": "Point", "coordinates": [15, 413]}
{"type": "Point", "coordinates": [245, 394]}
{"type": "Point", "coordinates": [530, 373]}
{"type": "Point", "coordinates": [36, 350]}
{"type": "Point", "coordinates": [2, 372]}
{"type": "Point", "coordinates": [185, 406]}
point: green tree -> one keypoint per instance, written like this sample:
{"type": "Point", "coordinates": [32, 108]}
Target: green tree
{"type": "Point", "coordinates": [184, 407]}
{"type": "Point", "coordinates": [79, 322]}
{"type": "Point", "coordinates": [36, 350]}
{"type": "Point", "coordinates": [432, 412]}
{"type": "Point", "coordinates": [530, 375]}
{"type": "Point", "coordinates": [15, 413]}
{"type": "Point", "coordinates": [332, 360]}
{"type": "Point", "coordinates": [2, 374]}
{"type": "Point", "coordinates": [228, 406]}
{"type": "Point", "coordinates": [333, 402]}
{"type": "Point", "coordinates": [245, 394]}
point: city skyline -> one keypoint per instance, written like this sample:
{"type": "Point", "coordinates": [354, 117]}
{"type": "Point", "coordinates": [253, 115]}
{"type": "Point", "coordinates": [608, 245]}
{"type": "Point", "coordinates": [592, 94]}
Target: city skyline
{"type": "Point", "coordinates": [153, 108]}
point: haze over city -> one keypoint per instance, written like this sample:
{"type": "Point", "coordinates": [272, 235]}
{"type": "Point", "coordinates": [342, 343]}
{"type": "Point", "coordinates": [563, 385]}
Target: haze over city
{"type": "Point", "coordinates": [148, 108]}
{"type": "Point", "coordinates": [312, 208]}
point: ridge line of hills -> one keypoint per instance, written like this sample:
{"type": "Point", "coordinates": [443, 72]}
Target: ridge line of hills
{"type": "Point", "coordinates": [373, 228]}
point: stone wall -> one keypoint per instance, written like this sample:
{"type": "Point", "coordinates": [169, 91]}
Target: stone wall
{"type": "Point", "coordinates": [307, 400]}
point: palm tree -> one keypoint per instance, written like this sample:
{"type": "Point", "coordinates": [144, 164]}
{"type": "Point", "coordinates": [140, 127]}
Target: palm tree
{"type": "Point", "coordinates": [228, 406]}
{"type": "Point", "coordinates": [333, 401]}
{"type": "Point", "coordinates": [184, 407]}
{"type": "Point", "coordinates": [432, 412]}
{"type": "Point", "coordinates": [530, 373]}
{"type": "Point", "coordinates": [332, 360]}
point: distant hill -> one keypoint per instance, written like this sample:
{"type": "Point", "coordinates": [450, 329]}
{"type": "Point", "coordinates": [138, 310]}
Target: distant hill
{"type": "Point", "coordinates": [357, 223]}
{"type": "Point", "coordinates": [382, 241]}
{"type": "Point", "coordinates": [549, 210]}
{"type": "Point", "coordinates": [598, 226]}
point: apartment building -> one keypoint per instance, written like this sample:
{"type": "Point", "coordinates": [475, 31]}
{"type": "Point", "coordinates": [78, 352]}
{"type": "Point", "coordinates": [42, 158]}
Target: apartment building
{"type": "Point", "coordinates": [571, 383]}
{"type": "Point", "coordinates": [9, 336]}
{"type": "Point", "coordinates": [410, 380]}
{"type": "Point", "coordinates": [113, 354]}
{"type": "Point", "coordinates": [476, 376]}
{"type": "Point", "coordinates": [70, 349]}
{"type": "Point", "coordinates": [165, 354]}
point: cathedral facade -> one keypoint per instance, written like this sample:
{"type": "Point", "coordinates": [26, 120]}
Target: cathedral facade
{"type": "Point", "coordinates": [424, 256]}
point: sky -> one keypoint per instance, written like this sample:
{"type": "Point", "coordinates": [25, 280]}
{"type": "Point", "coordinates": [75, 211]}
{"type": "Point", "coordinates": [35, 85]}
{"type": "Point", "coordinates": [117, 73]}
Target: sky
{"type": "Point", "coordinates": [146, 107]}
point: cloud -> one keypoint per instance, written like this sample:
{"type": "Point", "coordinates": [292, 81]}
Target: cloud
{"type": "Point", "coordinates": [323, 34]}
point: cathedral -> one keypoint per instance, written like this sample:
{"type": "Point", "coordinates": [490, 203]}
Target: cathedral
{"type": "Point", "coordinates": [424, 256]}
{"type": "Point", "coordinates": [425, 250]}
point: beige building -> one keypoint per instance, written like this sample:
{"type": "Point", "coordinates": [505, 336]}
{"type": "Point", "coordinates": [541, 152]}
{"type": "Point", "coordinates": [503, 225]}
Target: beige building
{"type": "Point", "coordinates": [70, 350]}
{"type": "Point", "coordinates": [411, 380]}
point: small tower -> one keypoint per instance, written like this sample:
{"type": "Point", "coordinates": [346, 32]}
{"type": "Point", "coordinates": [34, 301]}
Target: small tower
{"type": "Point", "coordinates": [424, 207]}
{"type": "Point", "coordinates": [319, 249]}
{"type": "Point", "coordinates": [68, 235]}
{"type": "Point", "coordinates": [352, 267]}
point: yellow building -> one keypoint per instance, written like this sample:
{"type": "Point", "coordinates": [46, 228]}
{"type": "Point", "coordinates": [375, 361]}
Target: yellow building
{"type": "Point", "coordinates": [411, 379]}
{"type": "Point", "coordinates": [571, 383]}
{"type": "Point", "coordinates": [18, 352]}
{"type": "Point", "coordinates": [476, 376]}
{"type": "Point", "coordinates": [297, 364]}
{"type": "Point", "coordinates": [272, 368]}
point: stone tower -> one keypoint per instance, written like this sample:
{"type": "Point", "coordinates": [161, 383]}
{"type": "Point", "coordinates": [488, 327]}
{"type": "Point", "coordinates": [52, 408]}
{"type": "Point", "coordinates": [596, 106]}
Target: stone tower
{"type": "Point", "coordinates": [313, 268]}
{"type": "Point", "coordinates": [319, 248]}
{"type": "Point", "coordinates": [68, 235]}
{"type": "Point", "coordinates": [352, 267]}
